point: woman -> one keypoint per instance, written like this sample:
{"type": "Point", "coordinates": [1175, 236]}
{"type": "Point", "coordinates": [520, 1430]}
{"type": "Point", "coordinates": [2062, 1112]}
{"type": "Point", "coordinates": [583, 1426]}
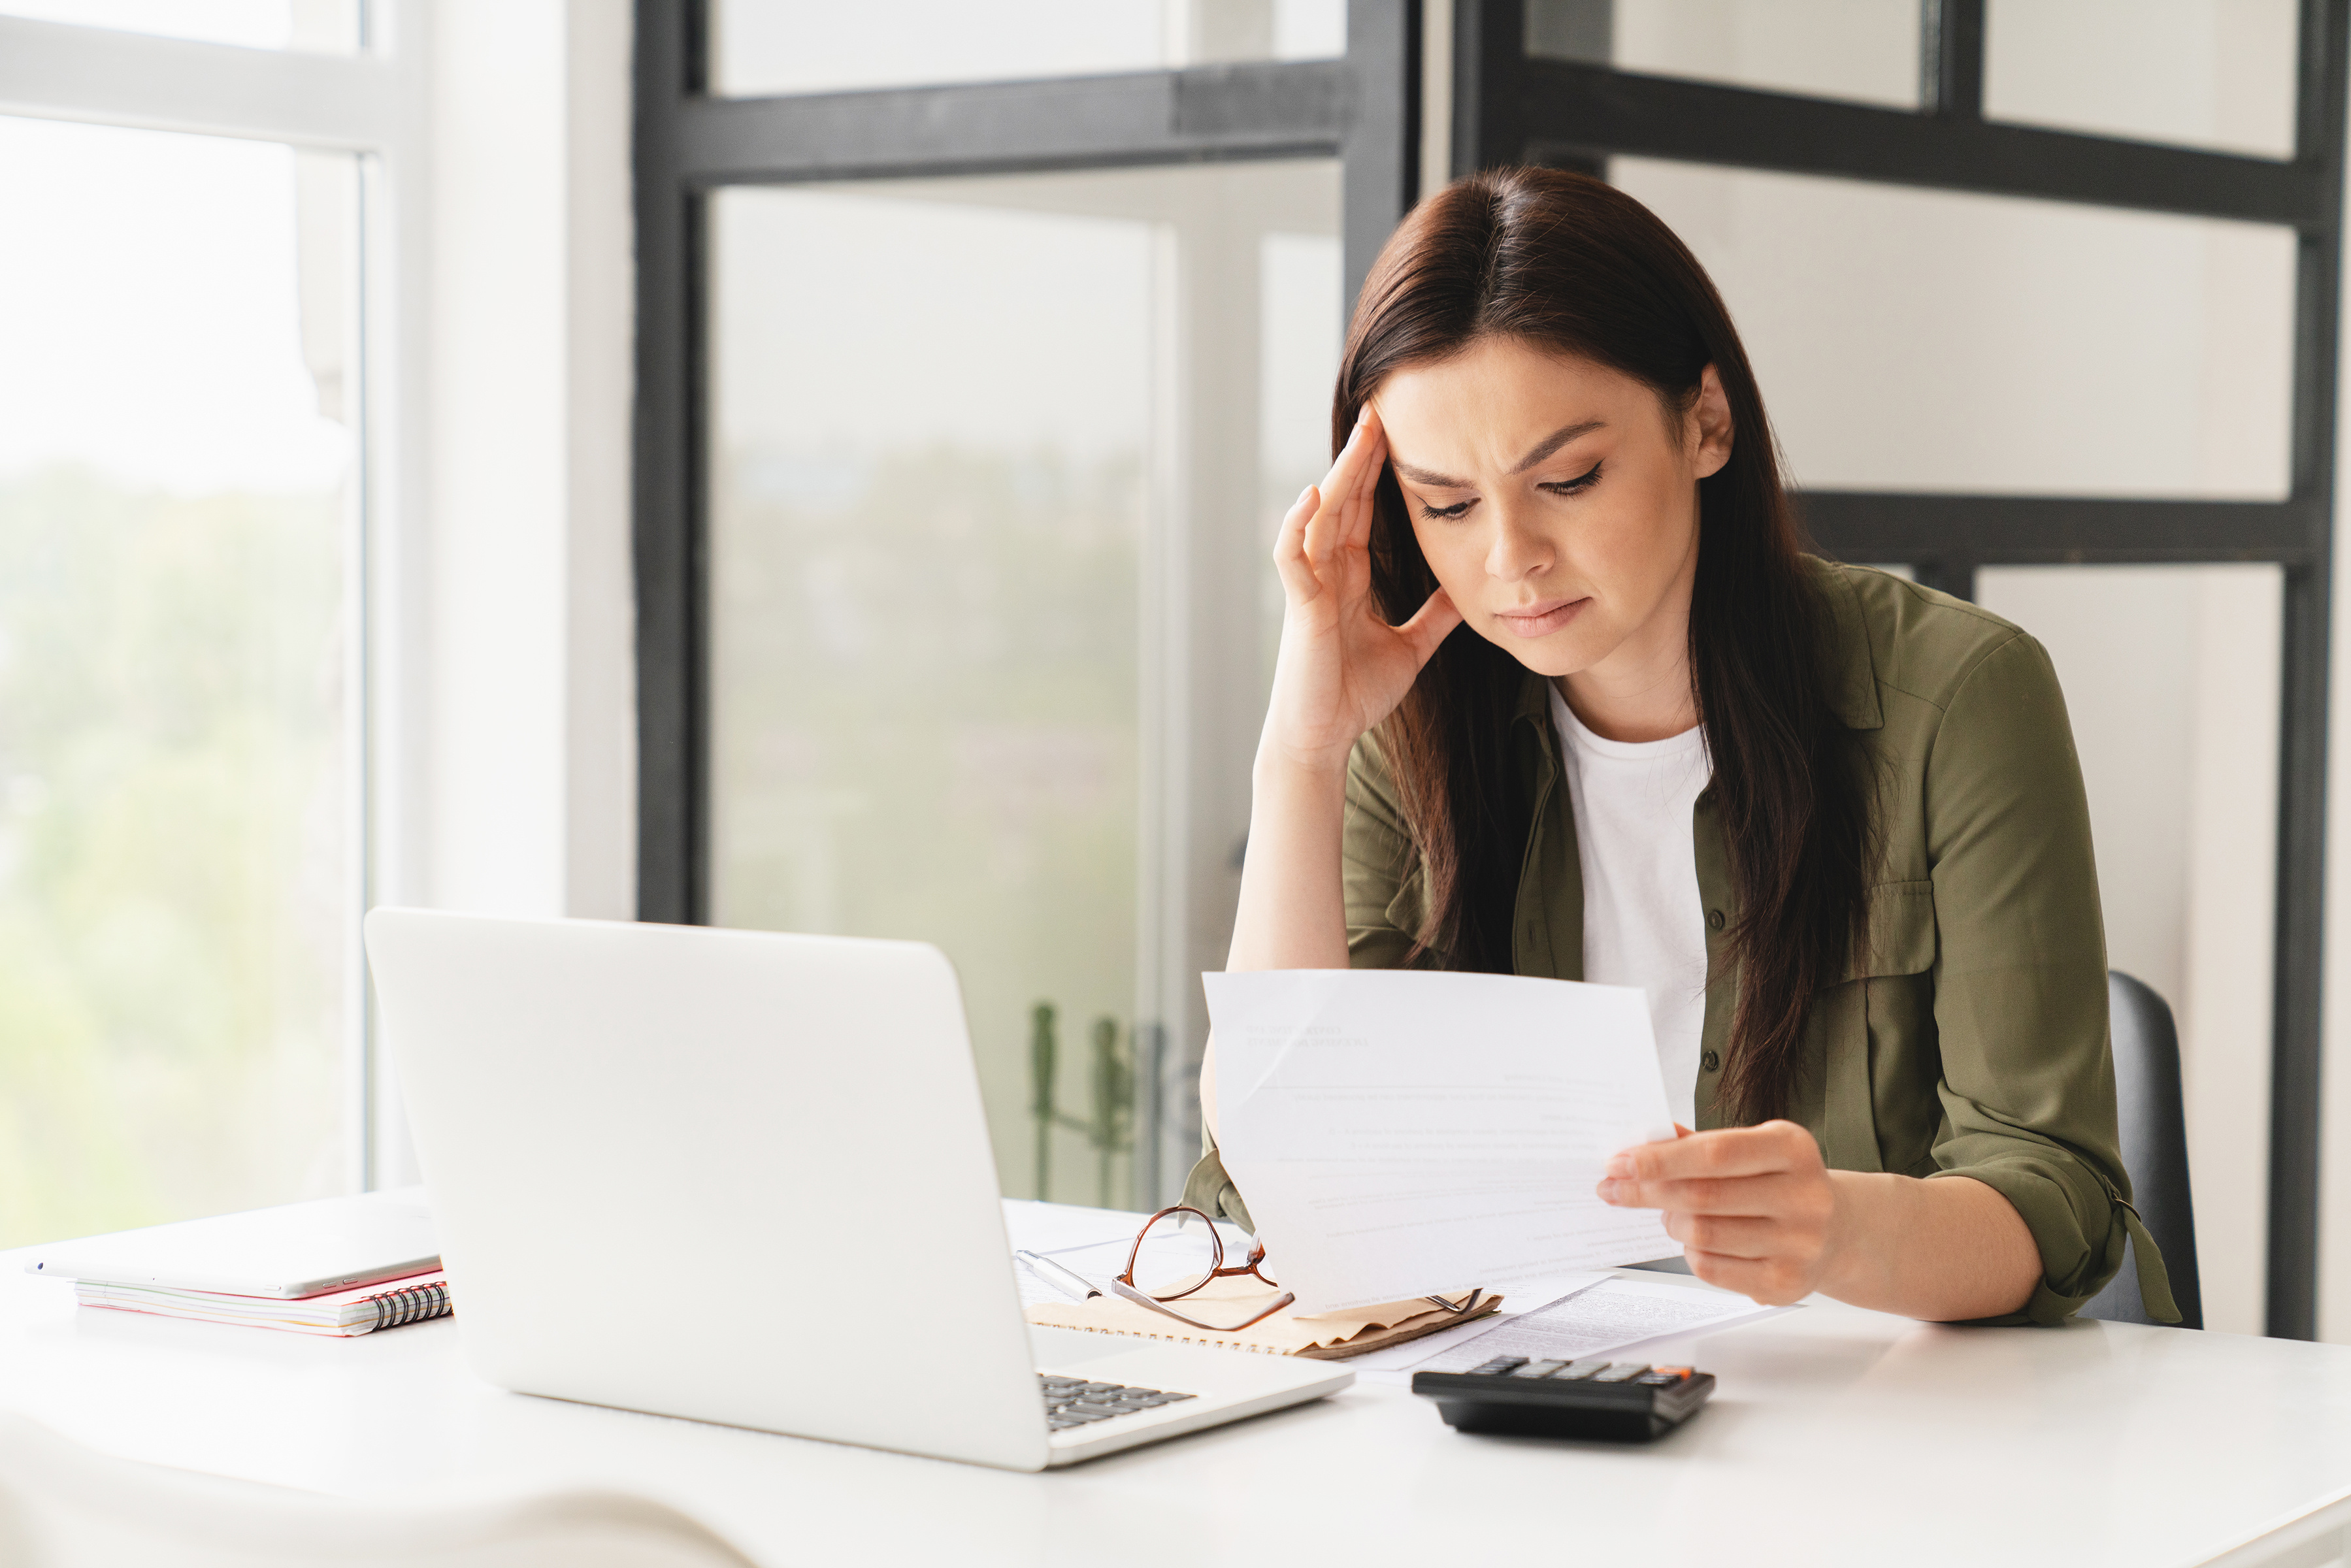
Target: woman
{"type": "Point", "coordinates": [1559, 695]}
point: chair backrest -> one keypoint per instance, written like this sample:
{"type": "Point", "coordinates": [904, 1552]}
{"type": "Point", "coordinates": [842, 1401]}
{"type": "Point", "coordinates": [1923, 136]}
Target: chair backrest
{"type": "Point", "coordinates": [2155, 1151]}
{"type": "Point", "coordinates": [65, 1506]}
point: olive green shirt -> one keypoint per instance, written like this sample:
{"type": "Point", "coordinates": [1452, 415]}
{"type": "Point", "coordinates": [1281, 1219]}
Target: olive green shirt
{"type": "Point", "coordinates": [1969, 1036]}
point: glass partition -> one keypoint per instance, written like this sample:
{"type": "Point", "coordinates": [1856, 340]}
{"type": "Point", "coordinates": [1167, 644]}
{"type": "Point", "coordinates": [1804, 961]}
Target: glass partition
{"type": "Point", "coordinates": [1920, 341]}
{"type": "Point", "coordinates": [993, 466]}
{"type": "Point", "coordinates": [2203, 73]}
{"type": "Point", "coordinates": [1866, 51]}
{"type": "Point", "coordinates": [762, 46]}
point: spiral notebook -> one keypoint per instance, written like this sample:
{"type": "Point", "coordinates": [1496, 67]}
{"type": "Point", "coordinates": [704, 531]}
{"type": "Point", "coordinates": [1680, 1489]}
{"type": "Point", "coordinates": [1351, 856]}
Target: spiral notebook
{"type": "Point", "coordinates": [340, 1314]}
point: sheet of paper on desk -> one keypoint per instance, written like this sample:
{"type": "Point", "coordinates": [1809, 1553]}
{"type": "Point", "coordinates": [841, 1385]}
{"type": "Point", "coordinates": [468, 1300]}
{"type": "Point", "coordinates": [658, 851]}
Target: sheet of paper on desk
{"type": "Point", "coordinates": [1400, 1132]}
{"type": "Point", "coordinates": [1610, 1316]}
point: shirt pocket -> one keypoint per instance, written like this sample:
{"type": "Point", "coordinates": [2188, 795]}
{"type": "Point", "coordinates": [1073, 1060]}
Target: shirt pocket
{"type": "Point", "coordinates": [1870, 1023]}
{"type": "Point", "coordinates": [1902, 939]}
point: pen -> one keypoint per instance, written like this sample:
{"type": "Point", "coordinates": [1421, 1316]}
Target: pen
{"type": "Point", "coordinates": [1068, 1281]}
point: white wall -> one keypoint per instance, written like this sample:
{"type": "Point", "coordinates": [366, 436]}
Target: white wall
{"type": "Point", "coordinates": [505, 682]}
{"type": "Point", "coordinates": [527, 717]}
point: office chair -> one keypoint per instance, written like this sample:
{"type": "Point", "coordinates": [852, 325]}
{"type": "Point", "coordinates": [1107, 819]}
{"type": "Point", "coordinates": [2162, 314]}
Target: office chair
{"type": "Point", "coordinates": [2155, 1151]}
{"type": "Point", "coordinates": [65, 1506]}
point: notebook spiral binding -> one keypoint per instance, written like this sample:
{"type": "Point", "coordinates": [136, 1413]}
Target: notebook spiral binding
{"type": "Point", "coordinates": [410, 1305]}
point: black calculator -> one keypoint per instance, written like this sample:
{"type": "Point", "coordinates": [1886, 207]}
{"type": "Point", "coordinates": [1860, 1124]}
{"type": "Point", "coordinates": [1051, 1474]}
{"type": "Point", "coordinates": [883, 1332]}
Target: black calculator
{"type": "Point", "coordinates": [1629, 1401]}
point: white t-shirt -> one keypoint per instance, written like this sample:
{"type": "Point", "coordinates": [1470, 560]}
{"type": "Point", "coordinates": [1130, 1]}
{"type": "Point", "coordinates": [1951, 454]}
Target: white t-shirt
{"type": "Point", "coordinates": [1644, 920]}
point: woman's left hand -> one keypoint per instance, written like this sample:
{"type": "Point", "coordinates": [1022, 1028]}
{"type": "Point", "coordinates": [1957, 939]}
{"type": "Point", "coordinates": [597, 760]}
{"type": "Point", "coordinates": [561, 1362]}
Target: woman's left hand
{"type": "Point", "coordinates": [1755, 1209]}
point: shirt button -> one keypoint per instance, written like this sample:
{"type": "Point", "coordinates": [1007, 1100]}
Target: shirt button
{"type": "Point", "coordinates": [1714, 920]}
{"type": "Point", "coordinates": [1712, 1061]}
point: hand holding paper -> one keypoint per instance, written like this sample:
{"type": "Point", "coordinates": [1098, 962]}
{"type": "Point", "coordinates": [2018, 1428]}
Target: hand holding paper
{"type": "Point", "coordinates": [1401, 1132]}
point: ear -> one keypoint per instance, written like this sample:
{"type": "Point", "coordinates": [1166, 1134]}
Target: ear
{"type": "Point", "coordinates": [1710, 429]}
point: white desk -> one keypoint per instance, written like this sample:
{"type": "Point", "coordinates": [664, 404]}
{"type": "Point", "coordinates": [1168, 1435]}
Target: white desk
{"type": "Point", "coordinates": [1836, 1435]}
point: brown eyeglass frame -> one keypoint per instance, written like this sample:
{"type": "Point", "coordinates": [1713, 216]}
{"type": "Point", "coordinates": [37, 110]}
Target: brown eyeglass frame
{"type": "Point", "coordinates": [1124, 1285]}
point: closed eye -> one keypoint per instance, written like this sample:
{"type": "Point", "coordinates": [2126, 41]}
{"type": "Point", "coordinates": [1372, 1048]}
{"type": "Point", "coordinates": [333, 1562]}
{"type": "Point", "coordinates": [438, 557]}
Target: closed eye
{"type": "Point", "coordinates": [1576, 485]}
{"type": "Point", "coordinates": [1447, 514]}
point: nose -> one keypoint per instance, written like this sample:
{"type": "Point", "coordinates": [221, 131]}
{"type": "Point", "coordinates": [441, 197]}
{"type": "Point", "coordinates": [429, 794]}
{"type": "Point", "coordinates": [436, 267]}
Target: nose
{"type": "Point", "coordinates": [1518, 551]}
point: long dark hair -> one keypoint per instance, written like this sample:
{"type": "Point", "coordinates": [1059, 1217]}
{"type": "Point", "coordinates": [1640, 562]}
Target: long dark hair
{"type": "Point", "coordinates": [1570, 265]}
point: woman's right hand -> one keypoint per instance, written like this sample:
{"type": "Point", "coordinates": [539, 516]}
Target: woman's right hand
{"type": "Point", "coordinates": [1342, 668]}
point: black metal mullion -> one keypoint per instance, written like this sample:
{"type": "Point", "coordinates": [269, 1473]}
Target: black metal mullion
{"type": "Point", "coordinates": [1253, 109]}
{"type": "Point", "coordinates": [1488, 56]}
{"type": "Point", "coordinates": [672, 733]}
{"type": "Point", "coordinates": [2300, 976]}
{"type": "Point", "coordinates": [1951, 71]}
{"type": "Point", "coordinates": [1380, 154]}
{"type": "Point", "coordinates": [1572, 106]}
{"type": "Point", "coordinates": [2018, 530]}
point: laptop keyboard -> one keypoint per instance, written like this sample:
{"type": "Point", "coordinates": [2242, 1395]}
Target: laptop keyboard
{"type": "Point", "coordinates": [1073, 1402]}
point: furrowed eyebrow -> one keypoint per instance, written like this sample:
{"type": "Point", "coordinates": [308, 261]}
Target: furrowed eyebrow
{"type": "Point", "coordinates": [1543, 448]}
{"type": "Point", "coordinates": [1556, 440]}
{"type": "Point", "coordinates": [1422, 476]}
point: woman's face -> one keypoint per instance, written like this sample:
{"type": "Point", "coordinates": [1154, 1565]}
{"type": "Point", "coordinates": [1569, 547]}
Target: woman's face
{"type": "Point", "coordinates": [1557, 502]}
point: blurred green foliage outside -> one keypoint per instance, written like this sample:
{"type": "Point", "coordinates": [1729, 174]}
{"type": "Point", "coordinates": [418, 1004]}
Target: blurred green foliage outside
{"type": "Point", "coordinates": [172, 889]}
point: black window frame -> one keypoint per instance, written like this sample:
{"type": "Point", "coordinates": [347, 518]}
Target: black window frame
{"type": "Point", "coordinates": [1507, 106]}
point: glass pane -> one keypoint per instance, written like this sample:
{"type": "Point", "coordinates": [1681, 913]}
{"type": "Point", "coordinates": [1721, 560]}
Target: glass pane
{"type": "Point", "coordinates": [1864, 49]}
{"type": "Point", "coordinates": [1920, 340]}
{"type": "Point", "coordinates": [319, 26]}
{"type": "Point", "coordinates": [174, 900]}
{"type": "Point", "coordinates": [2171, 678]}
{"type": "Point", "coordinates": [1302, 310]}
{"type": "Point", "coordinates": [2207, 73]}
{"type": "Point", "coordinates": [952, 420]}
{"type": "Point", "coordinates": [761, 47]}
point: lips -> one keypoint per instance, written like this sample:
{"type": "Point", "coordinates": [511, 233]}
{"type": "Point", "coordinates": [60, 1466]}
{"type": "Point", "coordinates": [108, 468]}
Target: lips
{"type": "Point", "coordinates": [1542, 618]}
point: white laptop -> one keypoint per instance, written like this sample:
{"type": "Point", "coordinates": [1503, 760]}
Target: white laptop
{"type": "Point", "coordinates": [746, 1178]}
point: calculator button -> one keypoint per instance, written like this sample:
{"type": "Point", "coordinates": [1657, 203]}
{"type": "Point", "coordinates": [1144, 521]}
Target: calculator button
{"type": "Point", "coordinates": [1539, 1369]}
{"type": "Point", "coordinates": [1657, 1379]}
{"type": "Point", "coordinates": [1497, 1366]}
{"type": "Point", "coordinates": [1577, 1371]}
{"type": "Point", "coordinates": [1676, 1372]}
{"type": "Point", "coordinates": [1621, 1371]}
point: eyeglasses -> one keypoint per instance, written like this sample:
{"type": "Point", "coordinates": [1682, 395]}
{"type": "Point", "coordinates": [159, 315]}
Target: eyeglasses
{"type": "Point", "coordinates": [1186, 1276]}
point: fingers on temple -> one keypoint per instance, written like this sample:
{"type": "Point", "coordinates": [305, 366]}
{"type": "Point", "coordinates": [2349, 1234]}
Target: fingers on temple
{"type": "Point", "coordinates": [1290, 544]}
{"type": "Point", "coordinates": [1371, 453]}
{"type": "Point", "coordinates": [1430, 625]}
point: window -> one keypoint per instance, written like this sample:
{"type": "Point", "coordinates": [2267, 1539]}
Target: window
{"type": "Point", "coordinates": [1900, 202]}
{"type": "Point", "coordinates": [954, 625]}
{"type": "Point", "coordinates": [940, 670]}
{"type": "Point", "coordinates": [185, 465]}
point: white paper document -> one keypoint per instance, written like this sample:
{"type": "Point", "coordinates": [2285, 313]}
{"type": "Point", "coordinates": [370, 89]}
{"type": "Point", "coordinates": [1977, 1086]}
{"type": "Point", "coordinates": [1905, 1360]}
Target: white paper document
{"type": "Point", "coordinates": [1398, 1132]}
{"type": "Point", "coordinates": [1610, 1316]}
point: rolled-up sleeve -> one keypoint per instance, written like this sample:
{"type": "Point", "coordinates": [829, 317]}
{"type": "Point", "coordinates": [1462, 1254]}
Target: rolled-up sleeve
{"type": "Point", "coordinates": [2028, 1086]}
